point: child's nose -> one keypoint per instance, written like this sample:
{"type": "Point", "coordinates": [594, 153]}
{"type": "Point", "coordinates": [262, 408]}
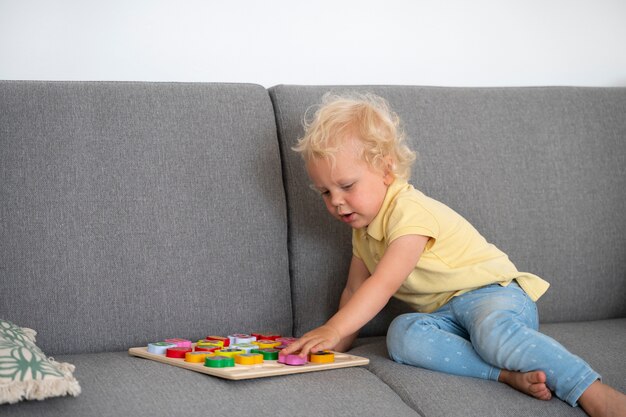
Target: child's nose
{"type": "Point", "coordinates": [336, 200]}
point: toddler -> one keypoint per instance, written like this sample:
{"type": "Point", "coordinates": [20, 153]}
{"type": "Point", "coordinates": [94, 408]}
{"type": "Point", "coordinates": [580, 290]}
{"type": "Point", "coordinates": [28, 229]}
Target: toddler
{"type": "Point", "coordinates": [475, 313]}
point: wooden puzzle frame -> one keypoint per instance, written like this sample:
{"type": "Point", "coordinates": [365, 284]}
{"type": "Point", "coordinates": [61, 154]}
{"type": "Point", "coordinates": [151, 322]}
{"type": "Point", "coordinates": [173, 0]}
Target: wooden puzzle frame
{"type": "Point", "coordinates": [266, 369]}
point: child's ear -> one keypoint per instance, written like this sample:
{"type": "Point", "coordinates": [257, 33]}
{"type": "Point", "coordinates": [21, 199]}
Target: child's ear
{"type": "Point", "coordinates": [389, 176]}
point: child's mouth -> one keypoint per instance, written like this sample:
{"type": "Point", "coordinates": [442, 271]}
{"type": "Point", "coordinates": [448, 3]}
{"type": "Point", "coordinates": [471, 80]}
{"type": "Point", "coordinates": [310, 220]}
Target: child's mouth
{"type": "Point", "coordinates": [347, 218]}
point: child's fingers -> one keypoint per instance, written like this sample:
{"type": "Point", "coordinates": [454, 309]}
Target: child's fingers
{"type": "Point", "coordinates": [293, 347]}
{"type": "Point", "coordinates": [305, 345]}
{"type": "Point", "coordinates": [318, 339]}
{"type": "Point", "coordinates": [312, 345]}
{"type": "Point", "coordinates": [297, 345]}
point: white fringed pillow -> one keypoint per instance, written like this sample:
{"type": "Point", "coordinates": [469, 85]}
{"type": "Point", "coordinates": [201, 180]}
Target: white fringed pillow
{"type": "Point", "coordinates": [25, 371]}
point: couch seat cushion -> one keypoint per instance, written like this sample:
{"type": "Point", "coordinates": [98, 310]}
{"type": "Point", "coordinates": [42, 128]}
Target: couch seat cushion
{"type": "Point", "coordinates": [116, 384]}
{"type": "Point", "coordinates": [433, 394]}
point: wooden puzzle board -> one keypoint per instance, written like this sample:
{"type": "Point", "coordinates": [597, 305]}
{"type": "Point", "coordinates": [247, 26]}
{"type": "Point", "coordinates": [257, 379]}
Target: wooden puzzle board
{"type": "Point", "coordinates": [267, 368]}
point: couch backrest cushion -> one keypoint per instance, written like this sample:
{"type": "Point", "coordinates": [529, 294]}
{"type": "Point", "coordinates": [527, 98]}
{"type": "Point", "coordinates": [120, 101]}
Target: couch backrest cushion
{"type": "Point", "coordinates": [541, 172]}
{"type": "Point", "coordinates": [132, 212]}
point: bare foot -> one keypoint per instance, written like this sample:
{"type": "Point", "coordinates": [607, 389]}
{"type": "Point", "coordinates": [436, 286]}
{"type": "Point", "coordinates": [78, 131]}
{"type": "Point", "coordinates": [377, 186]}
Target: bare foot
{"type": "Point", "coordinates": [532, 383]}
{"type": "Point", "coordinates": [600, 400]}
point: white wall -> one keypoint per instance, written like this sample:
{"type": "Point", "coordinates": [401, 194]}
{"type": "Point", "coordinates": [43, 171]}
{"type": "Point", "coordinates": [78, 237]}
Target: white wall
{"type": "Point", "coordinates": [421, 42]}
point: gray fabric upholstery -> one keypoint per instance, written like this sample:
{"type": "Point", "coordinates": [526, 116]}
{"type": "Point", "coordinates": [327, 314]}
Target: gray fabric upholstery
{"type": "Point", "coordinates": [600, 343]}
{"type": "Point", "coordinates": [132, 212]}
{"type": "Point", "coordinates": [541, 172]}
{"type": "Point", "coordinates": [115, 384]}
{"type": "Point", "coordinates": [436, 394]}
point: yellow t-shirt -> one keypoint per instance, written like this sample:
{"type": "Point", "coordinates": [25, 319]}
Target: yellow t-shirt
{"type": "Point", "coordinates": [457, 258]}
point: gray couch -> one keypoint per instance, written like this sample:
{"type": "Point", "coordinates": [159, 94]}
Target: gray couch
{"type": "Point", "coordinates": [133, 212]}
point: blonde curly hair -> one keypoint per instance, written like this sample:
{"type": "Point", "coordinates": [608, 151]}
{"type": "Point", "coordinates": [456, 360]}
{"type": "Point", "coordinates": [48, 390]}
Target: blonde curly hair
{"type": "Point", "coordinates": [366, 117]}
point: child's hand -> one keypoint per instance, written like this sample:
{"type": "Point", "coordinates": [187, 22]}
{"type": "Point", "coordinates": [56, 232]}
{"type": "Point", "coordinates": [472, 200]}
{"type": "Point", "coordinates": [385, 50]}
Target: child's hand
{"type": "Point", "coordinates": [322, 338]}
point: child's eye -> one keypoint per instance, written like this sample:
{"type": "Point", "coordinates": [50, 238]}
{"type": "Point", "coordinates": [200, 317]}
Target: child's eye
{"type": "Point", "coordinates": [347, 187]}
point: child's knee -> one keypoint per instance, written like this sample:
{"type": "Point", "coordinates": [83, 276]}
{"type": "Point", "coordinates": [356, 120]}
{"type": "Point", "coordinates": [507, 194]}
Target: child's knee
{"type": "Point", "coordinates": [401, 332]}
{"type": "Point", "coordinates": [396, 335]}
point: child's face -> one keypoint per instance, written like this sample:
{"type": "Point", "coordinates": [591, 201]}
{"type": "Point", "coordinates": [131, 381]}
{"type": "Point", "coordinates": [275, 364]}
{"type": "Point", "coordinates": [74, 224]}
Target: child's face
{"type": "Point", "coordinates": [352, 189]}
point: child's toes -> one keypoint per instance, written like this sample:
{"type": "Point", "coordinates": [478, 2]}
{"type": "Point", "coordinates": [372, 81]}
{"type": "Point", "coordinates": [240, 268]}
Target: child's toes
{"type": "Point", "coordinates": [536, 377]}
{"type": "Point", "coordinates": [541, 392]}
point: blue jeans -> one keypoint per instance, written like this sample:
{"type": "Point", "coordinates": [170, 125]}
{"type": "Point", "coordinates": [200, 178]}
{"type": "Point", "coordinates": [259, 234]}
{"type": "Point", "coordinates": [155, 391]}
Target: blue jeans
{"type": "Point", "coordinates": [483, 331]}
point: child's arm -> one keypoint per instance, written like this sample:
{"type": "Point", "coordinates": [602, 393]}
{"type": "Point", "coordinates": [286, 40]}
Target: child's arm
{"type": "Point", "coordinates": [356, 276]}
{"type": "Point", "coordinates": [372, 295]}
